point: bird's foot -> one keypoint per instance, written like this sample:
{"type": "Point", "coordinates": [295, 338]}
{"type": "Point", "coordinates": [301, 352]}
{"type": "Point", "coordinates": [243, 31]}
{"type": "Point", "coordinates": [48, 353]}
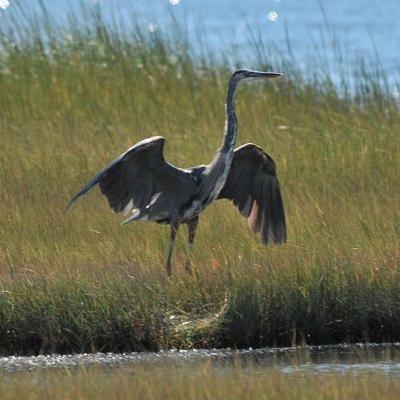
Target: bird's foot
{"type": "Point", "coordinates": [188, 266]}
{"type": "Point", "coordinates": [168, 268]}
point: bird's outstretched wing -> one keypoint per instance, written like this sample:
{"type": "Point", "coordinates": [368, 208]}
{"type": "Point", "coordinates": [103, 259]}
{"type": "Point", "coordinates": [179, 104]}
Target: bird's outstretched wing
{"type": "Point", "coordinates": [254, 188]}
{"type": "Point", "coordinates": [130, 181]}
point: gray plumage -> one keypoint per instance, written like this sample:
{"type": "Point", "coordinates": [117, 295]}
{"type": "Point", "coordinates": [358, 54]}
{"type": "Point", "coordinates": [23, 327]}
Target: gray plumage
{"type": "Point", "coordinates": [141, 183]}
{"type": "Point", "coordinates": [252, 180]}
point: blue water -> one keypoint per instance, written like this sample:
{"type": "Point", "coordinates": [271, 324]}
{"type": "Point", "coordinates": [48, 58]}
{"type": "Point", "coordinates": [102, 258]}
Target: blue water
{"type": "Point", "coordinates": [368, 29]}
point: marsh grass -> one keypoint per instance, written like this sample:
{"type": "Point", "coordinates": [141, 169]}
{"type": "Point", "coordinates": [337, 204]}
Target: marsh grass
{"type": "Point", "coordinates": [201, 382]}
{"type": "Point", "coordinates": [73, 98]}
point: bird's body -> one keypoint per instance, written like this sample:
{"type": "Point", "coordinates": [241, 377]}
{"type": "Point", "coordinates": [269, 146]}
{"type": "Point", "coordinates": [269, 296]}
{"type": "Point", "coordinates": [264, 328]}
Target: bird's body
{"type": "Point", "coordinates": [141, 183]}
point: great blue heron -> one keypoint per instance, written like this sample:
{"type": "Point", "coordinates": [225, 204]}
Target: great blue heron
{"type": "Point", "coordinates": [142, 183]}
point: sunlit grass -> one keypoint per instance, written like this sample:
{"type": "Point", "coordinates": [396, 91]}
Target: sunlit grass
{"type": "Point", "coordinates": [70, 101]}
{"type": "Point", "coordinates": [201, 382]}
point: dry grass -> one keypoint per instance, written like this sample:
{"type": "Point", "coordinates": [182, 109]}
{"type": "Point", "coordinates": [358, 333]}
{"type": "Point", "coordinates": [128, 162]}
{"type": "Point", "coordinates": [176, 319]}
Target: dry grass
{"type": "Point", "coordinates": [201, 382]}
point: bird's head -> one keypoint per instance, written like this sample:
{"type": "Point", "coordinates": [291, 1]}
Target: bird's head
{"type": "Point", "coordinates": [247, 74]}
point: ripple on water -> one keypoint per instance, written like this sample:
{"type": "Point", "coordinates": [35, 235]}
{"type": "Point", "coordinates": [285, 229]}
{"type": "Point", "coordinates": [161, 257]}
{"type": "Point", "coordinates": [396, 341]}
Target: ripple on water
{"type": "Point", "coordinates": [357, 358]}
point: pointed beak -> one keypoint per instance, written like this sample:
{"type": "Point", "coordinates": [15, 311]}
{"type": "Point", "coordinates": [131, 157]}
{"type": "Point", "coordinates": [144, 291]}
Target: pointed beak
{"type": "Point", "coordinates": [260, 74]}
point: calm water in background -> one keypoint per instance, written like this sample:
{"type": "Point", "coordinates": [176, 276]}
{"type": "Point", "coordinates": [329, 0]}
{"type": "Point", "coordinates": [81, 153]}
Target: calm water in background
{"type": "Point", "coordinates": [362, 28]}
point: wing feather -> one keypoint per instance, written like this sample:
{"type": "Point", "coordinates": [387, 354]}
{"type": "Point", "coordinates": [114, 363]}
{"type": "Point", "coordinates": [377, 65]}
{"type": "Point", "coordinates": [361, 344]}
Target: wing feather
{"type": "Point", "coordinates": [253, 187]}
{"type": "Point", "coordinates": [133, 178]}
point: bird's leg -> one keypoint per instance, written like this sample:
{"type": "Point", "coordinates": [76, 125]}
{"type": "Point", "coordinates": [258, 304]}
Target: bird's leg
{"type": "Point", "coordinates": [192, 226]}
{"type": "Point", "coordinates": [174, 230]}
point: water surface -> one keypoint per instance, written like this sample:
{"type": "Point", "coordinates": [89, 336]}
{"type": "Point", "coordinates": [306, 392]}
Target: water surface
{"type": "Point", "coordinates": [315, 29]}
{"type": "Point", "coordinates": [313, 373]}
{"type": "Point", "coordinates": [356, 358]}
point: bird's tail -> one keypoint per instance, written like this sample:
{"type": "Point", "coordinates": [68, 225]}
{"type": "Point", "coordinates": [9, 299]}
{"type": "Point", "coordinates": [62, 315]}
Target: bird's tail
{"type": "Point", "coordinates": [137, 215]}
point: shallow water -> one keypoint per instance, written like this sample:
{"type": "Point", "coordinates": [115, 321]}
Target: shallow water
{"type": "Point", "coordinates": [312, 373]}
{"type": "Point", "coordinates": [338, 359]}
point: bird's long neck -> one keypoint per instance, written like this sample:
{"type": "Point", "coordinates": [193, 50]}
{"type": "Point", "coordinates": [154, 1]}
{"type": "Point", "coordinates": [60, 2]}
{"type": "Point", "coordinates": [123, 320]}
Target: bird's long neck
{"type": "Point", "coordinates": [230, 134]}
{"type": "Point", "coordinates": [218, 169]}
